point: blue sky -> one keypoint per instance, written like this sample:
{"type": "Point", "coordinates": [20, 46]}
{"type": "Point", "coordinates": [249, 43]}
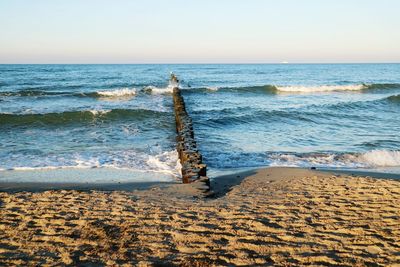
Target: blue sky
{"type": "Point", "coordinates": [199, 31]}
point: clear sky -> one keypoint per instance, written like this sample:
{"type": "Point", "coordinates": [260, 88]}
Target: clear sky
{"type": "Point", "coordinates": [199, 31]}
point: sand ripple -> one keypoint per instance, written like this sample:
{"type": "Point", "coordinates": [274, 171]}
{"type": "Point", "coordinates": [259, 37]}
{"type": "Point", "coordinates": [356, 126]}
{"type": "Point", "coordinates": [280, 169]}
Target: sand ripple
{"type": "Point", "coordinates": [290, 218]}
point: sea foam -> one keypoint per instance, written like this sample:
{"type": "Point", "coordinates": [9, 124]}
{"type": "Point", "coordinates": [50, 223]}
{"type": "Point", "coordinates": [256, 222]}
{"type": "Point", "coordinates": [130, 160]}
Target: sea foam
{"type": "Point", "coordinates": [161, 90]}
{"type": "Point", "coordinates": [381, 158]}
{"type": "Point", "coordinates": [369, 159]}
{"type": "Point", "coordinates": [321, 88]}
{"type": "Point", "coordinates": [164, 163]}
{"type": "Point", "coordinates": [99, 112]}
{"type": "Point", "coordinates": [157, 90]}
{"type": "Point", "coordinates": [117, 93]}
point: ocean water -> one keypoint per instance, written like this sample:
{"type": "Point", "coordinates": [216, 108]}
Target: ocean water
{"type": "Point", "coordinates": [109, 123]}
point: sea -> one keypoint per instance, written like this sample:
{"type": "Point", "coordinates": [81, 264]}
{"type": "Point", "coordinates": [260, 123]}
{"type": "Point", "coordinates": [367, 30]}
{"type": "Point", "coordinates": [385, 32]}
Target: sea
{"type": "Point", "coordinates": [115, 123]}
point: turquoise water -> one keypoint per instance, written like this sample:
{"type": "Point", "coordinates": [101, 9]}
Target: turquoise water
{"type": "Point", "coordinates": [119, 117]}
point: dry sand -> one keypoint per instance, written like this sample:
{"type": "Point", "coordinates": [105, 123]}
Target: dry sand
{"type": "Point", "coordinates": [277, 216]}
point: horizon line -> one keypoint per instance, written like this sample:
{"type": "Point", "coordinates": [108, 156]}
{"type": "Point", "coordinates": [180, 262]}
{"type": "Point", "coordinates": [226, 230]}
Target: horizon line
{"type": "Point", "coordinates": [206, 63]}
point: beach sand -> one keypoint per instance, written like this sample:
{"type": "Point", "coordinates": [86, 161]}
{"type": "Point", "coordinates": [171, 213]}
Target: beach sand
{"type": "Point", "coordinates": [274, 216]}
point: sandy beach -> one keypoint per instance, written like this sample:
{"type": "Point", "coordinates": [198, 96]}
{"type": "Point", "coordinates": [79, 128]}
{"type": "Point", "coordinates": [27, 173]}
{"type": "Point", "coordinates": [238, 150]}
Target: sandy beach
{"type": "Point", "coordinates": [274, 216]}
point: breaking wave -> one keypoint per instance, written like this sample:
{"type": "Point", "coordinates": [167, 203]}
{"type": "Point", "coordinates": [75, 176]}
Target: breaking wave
{"type": "Point", "coordinates": [380, 158]}
{"type": "Point", "coordinates": [43, 93]}
{"type": "Point", "coordinates": [336, 88]}
{"type": "Point", "coordinates": [84, 116]}
{"type": "Point", "coordinates": [370, 159]}
{"type": "Point", "coordinates": [269, 89]}
{"type": "Point", "coordinates": [273, 89]}
{"type": "Point", "coordinates": [161, 90]}
{"type": "Point", "coordinates": [157, 90]}
{"type": "Point", "coordinates": [33, 93]}
{"type": "Point", "coordinates": [123, 92]}
{"type": "Point", "coordinates": [117, 93]}
{"type": "Point", "coordinates": [321, 88]}
{"type": "Point", "coordinates": [164, 162]}
{"type": "Point", "coordinates": [263, 89]}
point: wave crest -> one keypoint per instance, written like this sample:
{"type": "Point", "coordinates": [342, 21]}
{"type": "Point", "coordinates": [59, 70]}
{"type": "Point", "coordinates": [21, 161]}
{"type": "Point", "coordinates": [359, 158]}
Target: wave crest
{"type": "Point", "coordinates": [273, 89]}
{"type": "Point", "coordinates": [162, 165]}
{"type": "Point", "coordinates": [117, 93]}
{"type": "Point", "coordinates": [394, 98]}
{"type": "Point", "coordinates": [321, 88]}
{"type": "Point", "coordinates": [85, 116]}
{"type": "Point", "coordinates": [369, 159]}
{"type": "Point", "coordinates": [268, 89]}
{"type": "Point", "coordinates": [380, 158]}
{"type": "Point", "coordinates": [33, 93]}
{"type": "Point", "coordinates": [157, 90]}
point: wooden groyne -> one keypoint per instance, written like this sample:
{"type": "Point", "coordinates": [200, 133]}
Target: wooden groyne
{"type": "Point", "coordinates": [193, 168]}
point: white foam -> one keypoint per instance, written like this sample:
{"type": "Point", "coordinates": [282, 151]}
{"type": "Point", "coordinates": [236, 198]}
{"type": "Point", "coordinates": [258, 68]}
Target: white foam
{"type": "Point", "coordinates": [162, 90]}
{"type": "Point", "coordinates": [321, 88]}
{"type": "Point", "coordinates": [380, 158]}
{"type": "Point", "coordinates": [46, 168]}
{"type": "Point", "coordinates": [173, 84]}
{"type": "Point", "coordinates": [370, 159]}
{"type": "Point", "coordinates": [158, 90]}
{"type": "Point", "coordinates": [99, 112]}
{"type": "Point", "coordinates": [307, 160]}
{"type": "Point", "coordinates": [117, 93]}
{"type": "Point", "coordinates": [167, 162]}
{"type": "Point", "coordinates": [83, 175]}
{"type": "Point", "coordinates": [164, 164]}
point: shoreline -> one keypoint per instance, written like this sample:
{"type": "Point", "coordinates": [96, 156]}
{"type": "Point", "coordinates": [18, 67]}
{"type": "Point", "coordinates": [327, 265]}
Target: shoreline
{"type": "Point", "coordinates": [14, 187]}
{"type": "Point", "coordinates": [234, 177]}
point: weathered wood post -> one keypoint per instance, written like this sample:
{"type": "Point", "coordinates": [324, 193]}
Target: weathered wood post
{"type": "Point", "coordinates": [193, 168]}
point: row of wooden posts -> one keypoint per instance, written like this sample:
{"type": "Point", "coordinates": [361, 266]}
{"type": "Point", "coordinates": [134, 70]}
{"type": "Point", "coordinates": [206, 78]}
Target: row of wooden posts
{"type": "Point", "coordinates": [193, 168]}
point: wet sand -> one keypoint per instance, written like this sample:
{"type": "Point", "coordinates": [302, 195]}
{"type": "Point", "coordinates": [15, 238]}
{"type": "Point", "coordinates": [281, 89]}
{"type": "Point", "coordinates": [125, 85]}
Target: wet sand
{"type": "Point", "coordinates": [275, 216]}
